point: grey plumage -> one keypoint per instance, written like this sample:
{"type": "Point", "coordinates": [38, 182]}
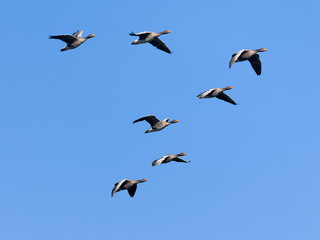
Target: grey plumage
{"type": "Point", "coordinates": [72, 41]}
{"type": "Point", "coordinates": [124, 184]}
{"type": "Point", "coordinates": [155, 123]}
{"type": "Point", "coordinates": [251, 55]}
{"type": "Point", "coordinates": [218, 93]}
{"type": "Point", "coordinates": [152, 38]}
{"type": "Point", "coordinates": [168, 158]}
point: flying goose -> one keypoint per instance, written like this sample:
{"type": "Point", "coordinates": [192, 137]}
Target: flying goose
{"type": "Point", "coordinates": [168, 158]}
{"type": "Point", "coordinates": [124, 184]}
{"type": "Point", "coordinates": [152, 38]}
{"type": "Point", "coordinates": [73, 41]}
{"type": "Point", "coordinates": [218, 93]}
{"type": "Point", "coordinates": [251, 55]}
{"type": "Point", "coordinates": [156, 124]}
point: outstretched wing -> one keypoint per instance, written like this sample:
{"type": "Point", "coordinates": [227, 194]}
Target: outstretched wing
{"type": "Point", "coordinates": [205, 93]}
{"type": "Point", "coordinates": [226, 98]}
{"type": "Point", "coordinates": [117, 186]}
{"type": "Point", "coordinates": [132, 190]}
{"type": "Point", "coordinates": [142, 35]}
{"type": "Point", "coordinates": [78, 34]}
{"type": "Point", "coordinates": [180, 160]}
{"type": "Point", "coordinates": [256, 63]}
{"type": "Point", "coordinates": [151, 119]}
{"type": "Point", "coordinates": [156, 42]}
{"type": "Point", "coordinates": [159, 161]}
{"type": "Point", "coordinates": [66, 38]}
{"type": "Point", "coordinates": [235, 57]}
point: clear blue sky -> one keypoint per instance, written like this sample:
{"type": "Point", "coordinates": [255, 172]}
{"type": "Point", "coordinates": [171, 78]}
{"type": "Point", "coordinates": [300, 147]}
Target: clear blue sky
{"type": "Point", "coordinates": [66, 132]}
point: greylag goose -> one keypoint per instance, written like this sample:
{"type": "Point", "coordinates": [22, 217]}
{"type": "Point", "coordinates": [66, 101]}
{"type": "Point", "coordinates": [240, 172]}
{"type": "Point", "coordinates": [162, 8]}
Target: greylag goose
{"type": "Point", "coordinates": [152, 38]}
{"type": "Point", "coordinates": [251, 55]}
{"type": "Point", "coordinates": [156, 124]}
{"type": "Point", "coordinates": [218, 93]}
{"type": "Point", "coordinates": [72, 41]}
{"type": "Point", "coordinates": [168, 158]}
{"type": "Point", "coordinates": [124, 184]}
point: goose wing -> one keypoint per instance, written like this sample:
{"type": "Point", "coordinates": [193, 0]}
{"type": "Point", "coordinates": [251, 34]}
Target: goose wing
{"type": "Point", "coordinates": [180, 160]}
{"type": "Point", "coordinates": [117, 186]}
{"type": "Point", "coordinates": [78, 34]}
{"type": "Point", "coordinates": [142, 35]}
{"type": "Point", "coordinates": [151, 119]}
{"type": "Point", "coordinates": [66, 38]}
{"type": "Point", "coordinates": [159, 161]}
{"type": "Point", "coordinates": [206, 93]}
{"type": "Point", "coordinates": [235, 57]}
{"type": "Point", "coordinates": [132, 190]}
{"type": "Point", "coordinates": [156, 42]}
{"type": "Point", "coordinates": [256, 63]}
{"type": "Point", "coordinates": [226, 98]}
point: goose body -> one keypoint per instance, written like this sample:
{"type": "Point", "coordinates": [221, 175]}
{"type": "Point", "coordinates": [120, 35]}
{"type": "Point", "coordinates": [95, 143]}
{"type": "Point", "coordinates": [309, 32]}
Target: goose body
{"type": "Point", "coordinates": [155, 123]}
{"type": "Point", "coordinates": [218, 93]}
{"type": "Point", "coordinates": [73, 41]}
{"type": "Point", "coordinates": [152, 38]}
{"type": "Point", "coordinates": [251, 55]}
{"type": "Point", "coordinates": [168, 158]}
{"type": "Point", "coordinates": [124, 184]}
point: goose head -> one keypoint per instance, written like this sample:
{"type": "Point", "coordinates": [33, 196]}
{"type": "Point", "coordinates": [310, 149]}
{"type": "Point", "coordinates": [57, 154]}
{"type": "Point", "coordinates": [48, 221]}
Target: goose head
{"type": "Point", "coordinates": [166, 32]}
{"type": "Point", "coordinates": [228, 88]}
{"type": "Point", "coordinates": [261, 49]}
{"type": "Point", "coordinates": [174, 121]}
{"type": "Point", "coordinates": [90, 36]}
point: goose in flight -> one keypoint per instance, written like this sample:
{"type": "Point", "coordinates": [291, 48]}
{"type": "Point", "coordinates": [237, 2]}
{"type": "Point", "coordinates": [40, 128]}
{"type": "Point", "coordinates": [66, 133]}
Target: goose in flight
{"type": "Point", "coordinates": [124, 184]}
{"type": "Point", "coordinates": [218, 93]}
{"type": "Point", "coordinates": [152, 38]}
{"type": "Point", "coordinates": [72, 41]}
{"type": "Point", "coordinates": [168, 158]}
{"type": "Point", "coordinates": [251, 55]}
{"type": "Point", "coordinates": [156, 124]}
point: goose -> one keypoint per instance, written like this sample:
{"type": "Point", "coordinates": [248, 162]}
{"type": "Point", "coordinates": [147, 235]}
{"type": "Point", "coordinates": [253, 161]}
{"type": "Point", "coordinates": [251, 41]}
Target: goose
{"type": "Point", "coordinates": [168, 158]}
{"type": "Point", "coordinates": [251, 55]}
{"type": "Point", "coordinates": [152, 38]}
{"type": "Point", "coordinates": [73, 41]}
{"type": "Point", "coordinates": [124, 184]}
{"type": "Point", "coordinates": [218, 93]}
{"type": "Point", "coordinates": [156, 124]}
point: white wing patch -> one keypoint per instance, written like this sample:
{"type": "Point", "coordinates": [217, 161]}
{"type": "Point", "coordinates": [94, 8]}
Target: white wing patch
{"type": "Point", "coordinates": [78, 34]}
{"type": "Point", "coordinates": [159, 161]}
{"type": "Point", "coordinates": [235, 57]}
{"type": "Point", "coordinates": [115, 189]}
{"type": "Point", "coordinates": [142, 32]}
{"type": "Point", "coordinates": [204, 94]}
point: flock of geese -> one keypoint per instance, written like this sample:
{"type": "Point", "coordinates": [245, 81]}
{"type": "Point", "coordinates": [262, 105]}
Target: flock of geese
{"type": "Point", "coordinates": [75, 40]}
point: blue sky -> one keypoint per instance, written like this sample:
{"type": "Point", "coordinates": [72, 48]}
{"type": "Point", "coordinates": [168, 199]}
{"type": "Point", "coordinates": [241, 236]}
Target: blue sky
{"type": "Point", "coordinates": [66, 132]}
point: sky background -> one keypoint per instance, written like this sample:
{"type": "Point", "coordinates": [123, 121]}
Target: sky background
{"type": "Point", "coordinates": [66, 132]}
